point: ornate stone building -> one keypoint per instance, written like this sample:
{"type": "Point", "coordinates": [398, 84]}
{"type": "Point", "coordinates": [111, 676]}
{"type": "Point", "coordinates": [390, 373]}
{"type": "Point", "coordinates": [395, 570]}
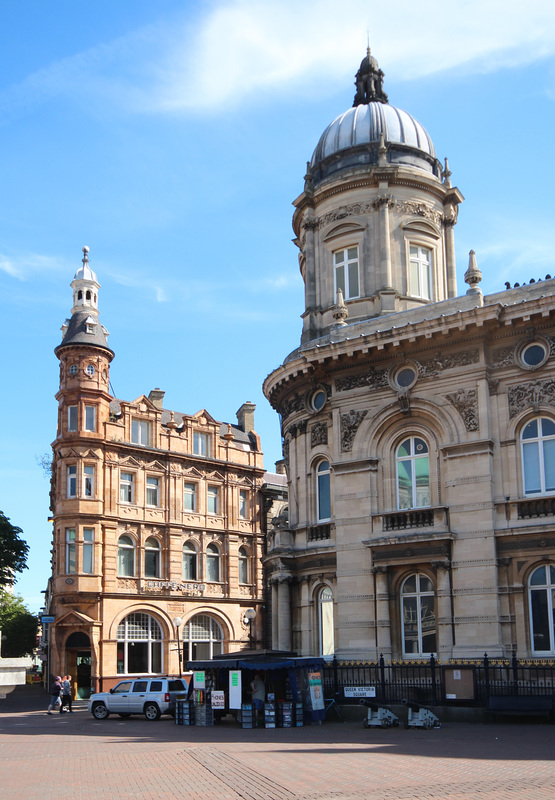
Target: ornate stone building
{"type": "Point", "coordinates": [157, 520]}
{"type": "Point", "coordinates": [418, 426]}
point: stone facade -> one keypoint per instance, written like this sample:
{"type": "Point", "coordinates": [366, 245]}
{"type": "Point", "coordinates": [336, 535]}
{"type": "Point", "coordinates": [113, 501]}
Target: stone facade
{"type": "Point", "coordinates": [158, 520]}
{"type": "Point", "coordinates": [417, 426]}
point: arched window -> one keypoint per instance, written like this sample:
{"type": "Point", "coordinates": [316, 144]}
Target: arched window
{"type": "Point", "coordinates": [202, 638]}
{"type": "Point", "coordinates": [323, 491]}
{"type": "Point", "coordinates": [413, 474]}
{"type": "Point", "coordinates": [152, 558]}
{"type": "Point", "coordinates": [212, 563]}
{"type": "Point", "coordinates": [189, 562]}
{"type": "Point", "coordinates": [126, 557]}
{"type": "Point", "coordinates": [139, 645]}
{"type": "Point", "coordinates": [419, 617]}
{"type": "Point", "coordinates": [542, 617]}
{"type": "Point", "coordinates": [326, 623]}
{"type": "Point", "coordinates": [538, 456]}
{"type": "Point", "coordinates": [243, 565]}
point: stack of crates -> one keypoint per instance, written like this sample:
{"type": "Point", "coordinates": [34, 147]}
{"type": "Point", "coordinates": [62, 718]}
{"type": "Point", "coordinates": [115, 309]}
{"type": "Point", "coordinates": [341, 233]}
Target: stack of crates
{"type": "Point", "coordinates": [269, 715]}
{"type": "Point", "coordinates": [204, 714]}
{"type": "Point", "coordinates": [247, 715]}
{"type": "Point", "coordinates": [285, 714]}
{"type": "Point", "coordinates": [299, 715]}
{"type": "Point", "coordinates": [184, 712]}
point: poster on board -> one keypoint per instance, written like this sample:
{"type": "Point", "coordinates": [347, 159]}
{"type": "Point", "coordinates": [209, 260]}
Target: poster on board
{"type": "Point", "coordinates": [199, 680]}
{"type": "Point", "coordinates": [316, 690]}
{"type": "Point", "coordinates": [235, 688]}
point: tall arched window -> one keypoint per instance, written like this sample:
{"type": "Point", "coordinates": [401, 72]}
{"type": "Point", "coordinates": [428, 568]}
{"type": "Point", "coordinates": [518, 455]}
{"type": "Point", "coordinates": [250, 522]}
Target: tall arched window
{"type": "Point", "coordinates": [203, 638]}
{"type": "Point", "coordinates": [152, 558]}
{"type": "Point", "coordinates": [326, 623]}
{"type": "Point", "coordinates": [126, 557]}
{"type": "Point", "coordinates": [243, 565]}
{"type": "Point", "coordinates": [323, 491]}
{"type": "Point", "coordinates": [139, 645]}
{"type": "Point", "coordinates": [542, 616]}
{"type": "Point", "coordinates": [212, 563]}
{"type": "Point", "coordinates": [413, 474]}
{"type": "Point", "coordinates": [419, 616]}
{"type": "Point", "coordinates": [189, 562]}
{"type": "Point", "coordinates": [538, 456]}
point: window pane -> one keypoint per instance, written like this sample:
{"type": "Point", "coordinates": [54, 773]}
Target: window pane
{"type": "Point", "coordinates": [88, 558]}
{"type": "Point", "coordinates": [340, 279]}
{"type": "Point", "coordinates": [409, 585]}
{"type": "Point", "coordinates": [540, 621]}
{"type": "Point", "coordinates": [327, 632]}
{"type": "Point", "coordinates": [404, 449]}
{"type": "Point", "coordinates": [212, 567]}
{"type": "Point", "coordinates": [70, 567]}
{"type": "Point", "coordinates": [72, 418]}
{"type": "Point", "coordinates": [152, 485]}
{"type": "Point", "coordinates": [422, 471]}
{"type": "Point", "coordinates": [352, 253]}
{"type": "Point", "coordinates": [531, 430]}
{"type": "Point", "coordinates": [151, 563]}
{"type": "Point", "coordinates": [200, 444]}
{"type": "Point", "coordinates": [339, 257]}
{"type": "Point", "coordinates": [324, 496]}
{"type": "Point", "coordinates": [548, 427]}
{"type": "Point", "coordinates": [410, 624]}
{"type": "Point", "coordinates": [189, 566]}
{"type": "Point", "coordinates": [89, 480]}
{"type": "Point", "coordinates": [530, 456]}
{"type": "Point", "coordinates": [243, 504]}
{"type": "Point", "coordinates": [353, 280]}
{"type": "Point", "coordinates": [538, 577]}
{"type": "Point", "coordinates": [212, 500]}
{"type": "Point", "coordinates": [425, 584]}
{"type": "Point", "coordinates": [549, 464]}
{"type": "Point", "coordinates": [189, 497]}
{"type": "Point", "coordinates": [90, 418]}
{"type": "Point", "coordinates": [404, 475]}
{"type": "Point", "coordinates": [420, 447]}
{"type": "Point", "coordinates": [137, 657]}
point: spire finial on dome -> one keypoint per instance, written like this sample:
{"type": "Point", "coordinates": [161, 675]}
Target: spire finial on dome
{"type": "Point", "coordinates": [85, 259]}
{"type": "Point", "coordinates": [340, 311]}
{"type": "Point", "coordinates": [369, 82]}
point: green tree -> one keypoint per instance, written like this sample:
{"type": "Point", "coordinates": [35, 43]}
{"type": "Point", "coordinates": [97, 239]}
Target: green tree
{"type": "Point", "coordinates": [13, 551]}
{"type": "Point", "coordinates": [17, 625]}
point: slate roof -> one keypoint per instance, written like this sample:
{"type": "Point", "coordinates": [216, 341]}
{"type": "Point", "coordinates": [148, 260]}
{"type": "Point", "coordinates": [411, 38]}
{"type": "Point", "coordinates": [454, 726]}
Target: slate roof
{"type": "Point", "coordinates": [77, 332]}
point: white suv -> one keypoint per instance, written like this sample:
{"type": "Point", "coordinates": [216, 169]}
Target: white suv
{"type": "Point", "coordinates": [149, 696]}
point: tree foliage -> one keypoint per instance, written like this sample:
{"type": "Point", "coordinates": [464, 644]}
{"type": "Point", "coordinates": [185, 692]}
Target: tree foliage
{"type": "Point", "coordinates": [17, 625]}
{"type": "Point", "coordinates": [13, 551]}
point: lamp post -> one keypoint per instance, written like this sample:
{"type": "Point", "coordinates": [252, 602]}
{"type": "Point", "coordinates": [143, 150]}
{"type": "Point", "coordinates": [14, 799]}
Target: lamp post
{"type": "Point", "coordinates": [248, 618]}
{"type": "Point", "coordinates": [178, 622]}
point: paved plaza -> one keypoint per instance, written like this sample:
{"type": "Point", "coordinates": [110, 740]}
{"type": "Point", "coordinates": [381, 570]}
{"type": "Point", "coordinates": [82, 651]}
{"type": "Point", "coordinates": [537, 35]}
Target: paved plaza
{"type": "Point", "coordinates": [73, 756]}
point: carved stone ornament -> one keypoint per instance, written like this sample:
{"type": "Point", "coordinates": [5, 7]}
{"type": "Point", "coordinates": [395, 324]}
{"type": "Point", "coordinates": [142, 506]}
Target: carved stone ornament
{"type": "Point", "coordinates": [294, 403]}
{"type": "Point", "coordinates": [358, 209]}
{"type": "Point", "coordinates": [533, 394]}
{"type": "Point", "coordinates": [350, 424]}
{"type": "Point", "coordinates": [433, 366]}
{"type": "Point", "coordinates": [285, 451]}
{"type": "Point", "coordinates": [466, 403]}
{"type": "Point", "coordinates": [504, 357]}
{"type": "Point", "coordinates": [318, 434]}
{"type": "Point", "coordinates": [375, 379]}
{"type": "Point", "coordinates": [296, 428]}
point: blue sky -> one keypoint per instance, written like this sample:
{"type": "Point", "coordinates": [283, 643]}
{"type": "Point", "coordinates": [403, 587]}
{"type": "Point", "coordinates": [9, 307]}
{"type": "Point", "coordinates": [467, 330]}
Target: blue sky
{"type": "Point", "coordinates": [172, 137]}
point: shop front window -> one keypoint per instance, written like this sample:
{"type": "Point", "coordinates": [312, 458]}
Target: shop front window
{"type": "Point", "coordinates": [139, 645]}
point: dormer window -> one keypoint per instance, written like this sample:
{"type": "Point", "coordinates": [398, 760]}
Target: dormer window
{"type": "Point", "coordinates": [140, 432]}
{"type": "Point", "coordinates": [200, 444]}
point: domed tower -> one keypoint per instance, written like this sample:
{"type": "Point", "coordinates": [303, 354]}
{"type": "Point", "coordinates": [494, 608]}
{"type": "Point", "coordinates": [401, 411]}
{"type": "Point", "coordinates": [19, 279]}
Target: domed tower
{"type": "Point", "coordinates": [375, 219]}
{"type": "Point", "coordinates": [85, 359]}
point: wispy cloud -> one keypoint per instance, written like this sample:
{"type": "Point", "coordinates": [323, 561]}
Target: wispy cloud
{"type": "Point", "coordinates": [26, 265]}
{"type": "Point", "coordinates": [242, 49]}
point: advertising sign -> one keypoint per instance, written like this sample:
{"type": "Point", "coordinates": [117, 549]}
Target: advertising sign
{"type": "Point", "coordinates": [316, 690]}
{"type": "Point", "coordinates": [235, 688]}
{"type": "Point", "coordinates": [217, 699]}
{"type": "Point", "coordinates": [199, 680]}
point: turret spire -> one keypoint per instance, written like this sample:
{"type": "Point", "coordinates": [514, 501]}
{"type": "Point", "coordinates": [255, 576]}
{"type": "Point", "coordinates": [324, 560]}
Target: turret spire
{"type": "Point", "coordinates": [369, 82]}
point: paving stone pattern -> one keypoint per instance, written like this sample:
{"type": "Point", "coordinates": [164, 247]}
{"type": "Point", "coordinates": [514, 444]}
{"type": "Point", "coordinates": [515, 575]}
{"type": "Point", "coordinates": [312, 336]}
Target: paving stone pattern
{"type": "Point", "coordinates": [74, 756]}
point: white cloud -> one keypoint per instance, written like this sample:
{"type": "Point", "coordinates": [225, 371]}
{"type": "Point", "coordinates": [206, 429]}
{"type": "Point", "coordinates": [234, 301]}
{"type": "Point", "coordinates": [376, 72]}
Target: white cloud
{"type": "Point", "coordinates": [26, 265]}
{"type": "Point", "coordinates": [242, 49]}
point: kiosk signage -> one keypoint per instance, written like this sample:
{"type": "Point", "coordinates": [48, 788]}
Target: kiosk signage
{"type": "Point", "coordinates": [235, 688]}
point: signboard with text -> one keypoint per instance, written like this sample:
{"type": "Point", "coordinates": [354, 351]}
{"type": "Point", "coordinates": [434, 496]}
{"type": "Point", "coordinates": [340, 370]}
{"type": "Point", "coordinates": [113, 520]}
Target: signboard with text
{"type": "Point", "coordinates": [359, 691]}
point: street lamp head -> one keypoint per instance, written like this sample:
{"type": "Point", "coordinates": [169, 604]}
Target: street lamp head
{"type": "Point", "coordinates": [249, 615]}
{"type": "Point", "coordinates": [178, 622]}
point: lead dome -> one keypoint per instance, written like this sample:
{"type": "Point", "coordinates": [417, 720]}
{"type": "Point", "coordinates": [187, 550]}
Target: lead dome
{"type": "Point", "coordinates": [353, 138]}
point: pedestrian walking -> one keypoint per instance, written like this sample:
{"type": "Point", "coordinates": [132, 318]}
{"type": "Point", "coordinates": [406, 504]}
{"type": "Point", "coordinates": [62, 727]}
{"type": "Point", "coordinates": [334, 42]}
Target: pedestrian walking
{"type": "Point", "coordinates": [55, 691]}
{"type": "Point", "coordinates": [66, 694]}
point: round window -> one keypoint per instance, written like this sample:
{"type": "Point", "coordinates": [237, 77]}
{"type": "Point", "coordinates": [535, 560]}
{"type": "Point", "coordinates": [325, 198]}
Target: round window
{"type": "Point", "coordinates": [319, 399]}
{"type": "Point", "coordinates": [90, 370]}
{"type": "Point", "coordinates": [405, 377]}
{"type": "Point", "coordinates": [534, 354]}
{"type": "Point", "coordinates": [73, 369]}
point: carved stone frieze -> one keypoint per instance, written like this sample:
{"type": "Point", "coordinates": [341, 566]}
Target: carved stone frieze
{"type": "Point", "coordinates": [318, 434]}
{"type": "Point", "coordinates": [294, 403]}
{"type": "Point", "coordinates": [375, 379]}
{"type": "Point", "coordinates": [433, 366]}
{"type": "Point", "coordinates": [356, 209]}
{"type": "Point", "coordinates": [493, 385]}
{"type": "Point", "coordinates": [503, 357]}
{"type": "Point", "coordinates": [296, 428]}
{"type": "Point", "coordinates": [466, 403]}
{"type": "Point", "coordinates": [532, 394]}
{"type": "Point", "coordinates": [350, 424]}
{"type": "Point", "coordinates": [419, 210]}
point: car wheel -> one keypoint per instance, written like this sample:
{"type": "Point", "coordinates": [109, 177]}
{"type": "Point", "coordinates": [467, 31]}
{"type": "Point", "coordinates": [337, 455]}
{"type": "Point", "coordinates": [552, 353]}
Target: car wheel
{"type": "Point", "coordinates": [152, 712]}
{"type": "Point", "coordinates": [124, 716]}
{"type": "Point", "coordinates": [99, 711]}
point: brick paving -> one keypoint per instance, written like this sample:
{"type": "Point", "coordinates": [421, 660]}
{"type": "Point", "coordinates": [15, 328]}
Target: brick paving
{"type": "Point", "coordinates": [74, 756]}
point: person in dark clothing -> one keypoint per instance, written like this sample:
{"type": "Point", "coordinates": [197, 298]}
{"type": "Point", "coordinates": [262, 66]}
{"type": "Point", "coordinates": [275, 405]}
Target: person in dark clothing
{"type": "Point", "coordinates": [55, 690]}
{"type": "Point", "coordinates": [66, 694]}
